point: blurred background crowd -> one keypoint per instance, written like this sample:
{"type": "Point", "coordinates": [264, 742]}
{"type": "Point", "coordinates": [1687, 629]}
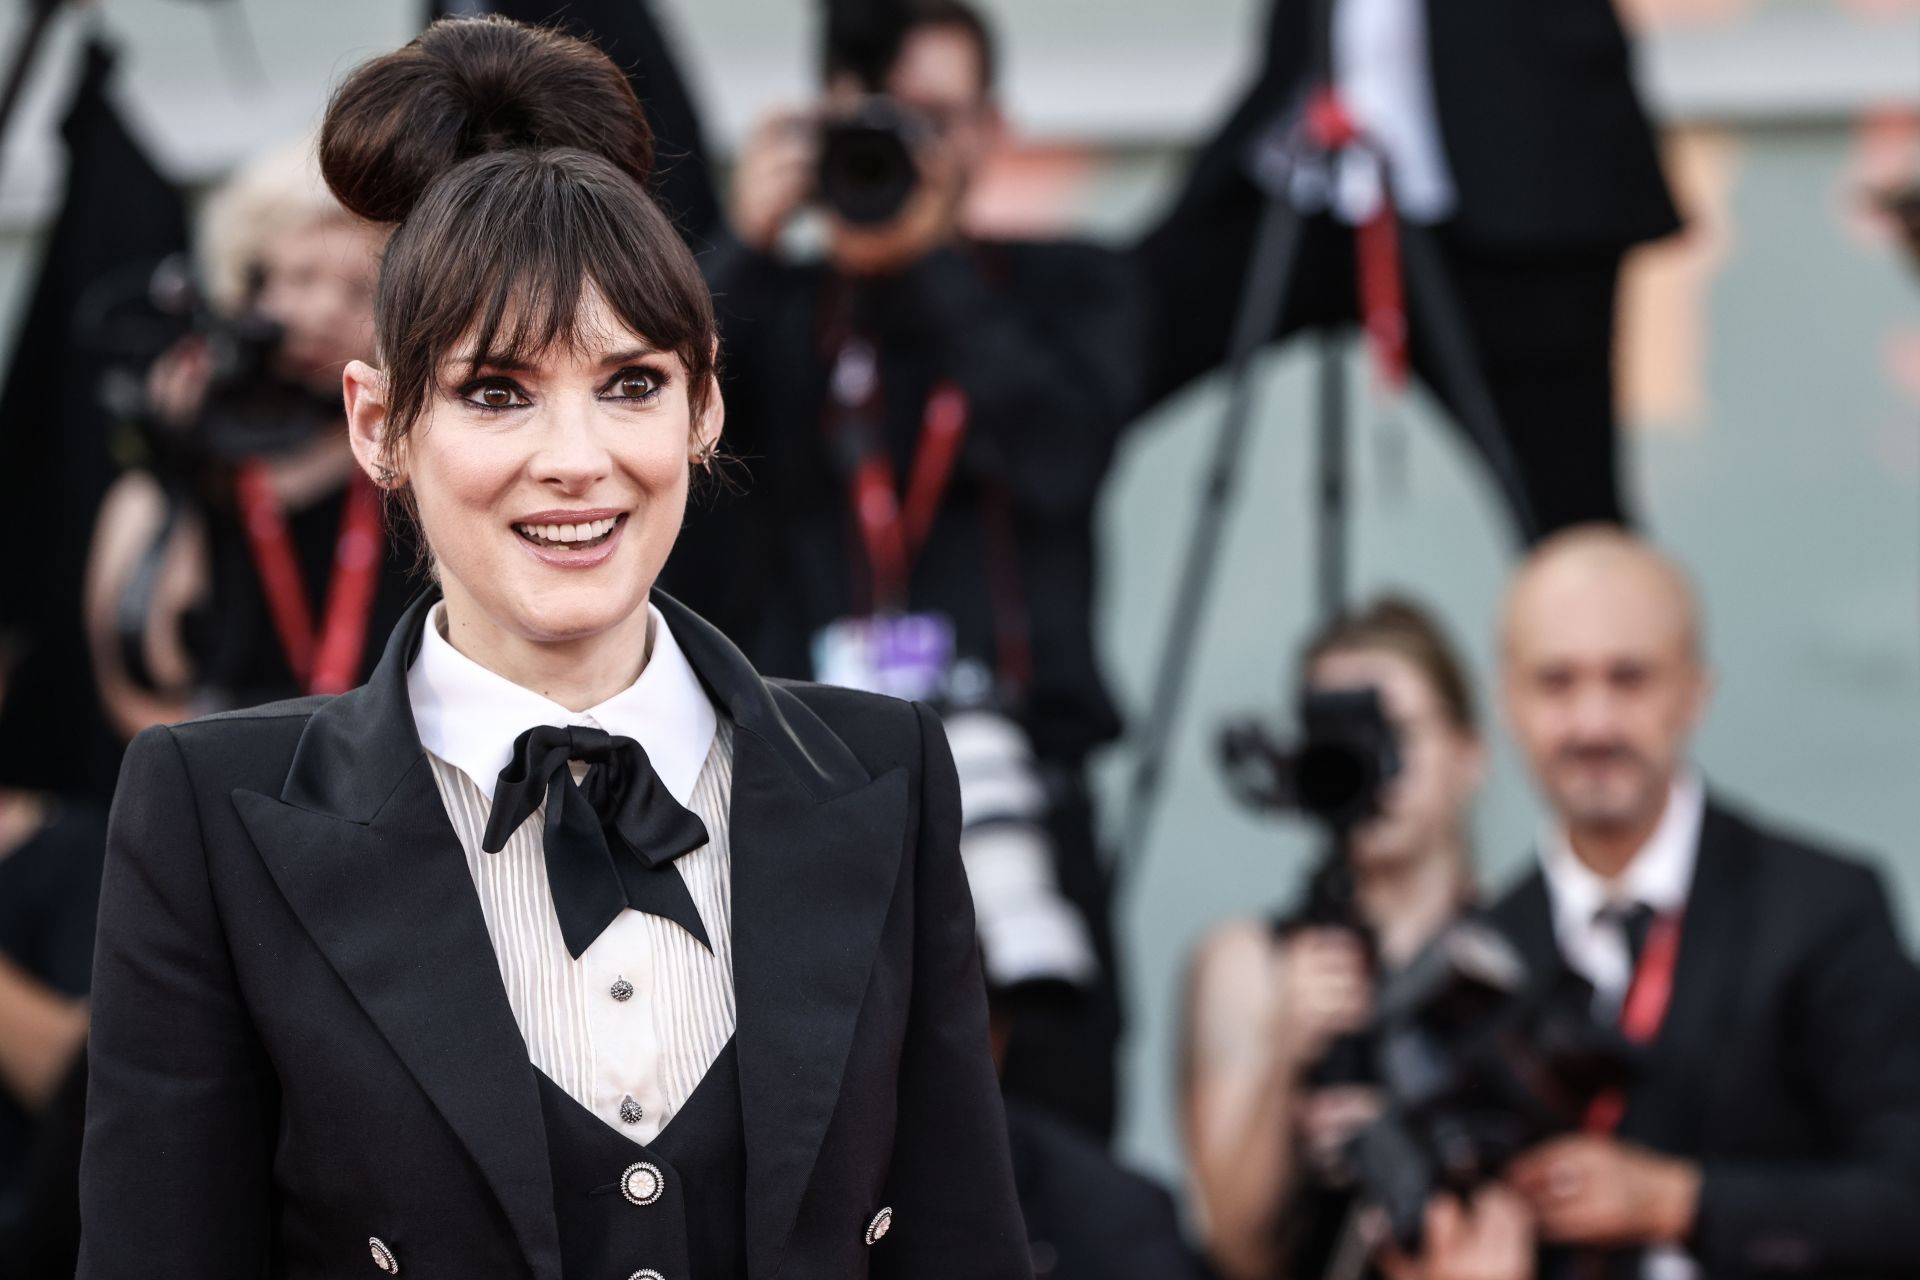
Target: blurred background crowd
{"type": "Point", "coordinates": [1252, 424]}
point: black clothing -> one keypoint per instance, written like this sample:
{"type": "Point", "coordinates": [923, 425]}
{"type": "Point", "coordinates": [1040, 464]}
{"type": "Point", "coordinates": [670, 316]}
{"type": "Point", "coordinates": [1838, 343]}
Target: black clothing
{"type": "Point", "coordinates": [1043, 339]}
{"type": "Point", "coordinates": [118, 219]}
{"type": "Point", "coordinates": [1546, 140]}
{"type": "Point", "coordinates": [1788, 1065]}
{"type": "Point", "coordinates": [42, 1242]}
{"type": "Point", "coordinates": [301, 1039]}
{"type": "Point", "coordinates": [1089, 1218]}
{"type": "Point", "coordinates": [239, 660]}
{"type": "Point", "coordinates": [49, 894]}
{"type": "Point", "coordinates": [699, 1173]}
{"type": "Point", "coordinates": [1556, 174]}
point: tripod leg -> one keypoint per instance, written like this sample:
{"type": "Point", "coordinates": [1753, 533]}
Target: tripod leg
{"type": "Point", "coordinates": [1439, 320]}
{"type": "Point", "coordinates": [1331, 589]}
{"type": "Point", "coordinates": [1275, 255]}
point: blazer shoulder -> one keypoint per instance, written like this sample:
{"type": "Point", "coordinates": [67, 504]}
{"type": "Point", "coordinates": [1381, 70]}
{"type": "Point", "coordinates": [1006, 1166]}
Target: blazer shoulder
{"type": "Point", "coordinates": [880, 730]}
{"type": "Point", "coordinates": [1807, 873]}
{"type": "Point", "coordinates": [250, 748]}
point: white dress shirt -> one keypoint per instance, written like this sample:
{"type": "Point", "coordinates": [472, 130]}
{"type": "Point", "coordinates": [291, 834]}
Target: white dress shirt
{"type": "Point", "coordinates": [1384, 76]}
{"type": "Point", "coordinates": [632, 1061]}
{"type": "Point", "coordinates": [1595, 945]}
{"type": "Point", "coordinates": [1659, 875]}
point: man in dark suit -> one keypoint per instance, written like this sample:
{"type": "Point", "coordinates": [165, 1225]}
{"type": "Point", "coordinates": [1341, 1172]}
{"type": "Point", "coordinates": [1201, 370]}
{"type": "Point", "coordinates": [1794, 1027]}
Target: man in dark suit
{"type": "Point", "coordinates": [1774, 1125]}
{"type": "Point", "coordinates": [1512, 131]}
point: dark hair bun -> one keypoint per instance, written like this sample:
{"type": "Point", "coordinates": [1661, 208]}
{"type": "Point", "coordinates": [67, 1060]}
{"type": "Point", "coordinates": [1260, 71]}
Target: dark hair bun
{"type": "Point", "coordinates": [468, 86]}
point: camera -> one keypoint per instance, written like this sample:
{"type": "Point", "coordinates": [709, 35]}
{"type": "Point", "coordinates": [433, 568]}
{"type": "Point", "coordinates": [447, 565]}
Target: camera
{"type": "Point", "coordinates": [868, 166]}
{"type": "Point", "coordinates": [1479, 1060]}
{"type": "Point", "coordinates": [1336, 774]}
{"type": "Point", "coordinates": [249, 408]}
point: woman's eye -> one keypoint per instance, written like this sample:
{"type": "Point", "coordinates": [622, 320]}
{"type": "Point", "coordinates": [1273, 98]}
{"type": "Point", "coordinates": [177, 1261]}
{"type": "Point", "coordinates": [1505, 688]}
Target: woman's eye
{"type": "Point", "coordinates": [494, 395]}
{"type": "Point", "coordinates": [634, 384]}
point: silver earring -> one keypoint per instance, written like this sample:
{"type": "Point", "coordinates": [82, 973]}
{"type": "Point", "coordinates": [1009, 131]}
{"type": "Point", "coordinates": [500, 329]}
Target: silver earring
{"type": "Point", "coordinates": [385, 476]}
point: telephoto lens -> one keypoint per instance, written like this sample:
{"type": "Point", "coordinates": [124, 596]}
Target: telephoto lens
{"type": "Point", "coordinates": [868, 170]}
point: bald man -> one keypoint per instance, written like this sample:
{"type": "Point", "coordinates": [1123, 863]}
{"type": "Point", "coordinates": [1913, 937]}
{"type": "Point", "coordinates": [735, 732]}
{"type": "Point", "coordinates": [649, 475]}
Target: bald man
{"type": "Point", "coordinates": [1774, 1127]}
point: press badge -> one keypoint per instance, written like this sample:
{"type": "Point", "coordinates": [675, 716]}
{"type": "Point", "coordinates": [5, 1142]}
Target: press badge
{"type": "Point", "coordinates": [903, 655]}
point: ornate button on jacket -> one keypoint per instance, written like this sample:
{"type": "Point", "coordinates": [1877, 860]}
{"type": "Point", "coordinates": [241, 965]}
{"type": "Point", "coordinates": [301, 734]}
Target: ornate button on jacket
{"type": "Point", "coordinates": [300, 1010]}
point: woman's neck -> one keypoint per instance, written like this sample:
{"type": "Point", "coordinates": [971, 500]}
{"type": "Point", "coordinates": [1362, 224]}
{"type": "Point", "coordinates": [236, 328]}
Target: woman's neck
{"type": "Point", "coordinates": [577, 674]}
{"type": "Point", "coordinates": [1408, 901]}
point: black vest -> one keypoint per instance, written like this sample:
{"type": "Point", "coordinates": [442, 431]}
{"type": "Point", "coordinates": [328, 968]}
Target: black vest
{"type": "Point", "coordinates": [676, 1206]}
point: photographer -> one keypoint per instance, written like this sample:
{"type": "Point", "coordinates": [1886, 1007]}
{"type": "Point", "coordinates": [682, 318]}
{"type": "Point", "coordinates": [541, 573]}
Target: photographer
{"type": "Point", "coordinates": [1268, 999]}
{"type": "Point", "coordinates": [1775, 1126]}
{"type": "Point", "coordinates": [241, 559]}
{"type": "Point", "coordinates": [927, 418]}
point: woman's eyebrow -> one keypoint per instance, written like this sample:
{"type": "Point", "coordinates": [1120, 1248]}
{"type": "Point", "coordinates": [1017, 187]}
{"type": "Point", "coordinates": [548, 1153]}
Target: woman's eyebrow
{"type": "Point", "coordinates": [505, 364]}
{"type": "Point", "coordinates": [628, 356]}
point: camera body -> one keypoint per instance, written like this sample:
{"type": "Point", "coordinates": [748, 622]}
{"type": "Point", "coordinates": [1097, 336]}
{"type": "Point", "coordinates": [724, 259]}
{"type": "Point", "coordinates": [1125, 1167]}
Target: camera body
{"type": "Point", "coordinates": [1335, 774]}
{"type": "Point", "coordinates": [1479, 1059]}
{"type": "Point", "coordinates": [869, 165]}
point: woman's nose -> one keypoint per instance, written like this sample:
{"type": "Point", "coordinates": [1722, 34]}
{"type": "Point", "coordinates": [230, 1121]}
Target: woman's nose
{"type": "Point", "coordinates": [570, 452]}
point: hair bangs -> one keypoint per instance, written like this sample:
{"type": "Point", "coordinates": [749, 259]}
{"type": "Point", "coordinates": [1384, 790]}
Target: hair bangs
{"type": "Point", "coordinates": [497, 265]}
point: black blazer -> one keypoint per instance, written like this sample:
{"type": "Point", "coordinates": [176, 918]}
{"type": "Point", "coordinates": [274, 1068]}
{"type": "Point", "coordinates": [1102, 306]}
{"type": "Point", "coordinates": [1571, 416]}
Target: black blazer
{"type": "Point", "coordinates": [300, 1036]}
{"type": "Point", "coordinates": [1789, 1062]}
{"type": "Point", "coordinates": [1545, 136]}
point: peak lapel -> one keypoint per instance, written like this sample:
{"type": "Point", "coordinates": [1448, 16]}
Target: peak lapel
{"type": "Point", "coordinates": [360, 845]}
{"type": "Point", "coordinates": [1667, 1108]}
{"type": "Point", "coordinates": [812, 884]}
{"type": "Point", "coordinates": [817, 847]}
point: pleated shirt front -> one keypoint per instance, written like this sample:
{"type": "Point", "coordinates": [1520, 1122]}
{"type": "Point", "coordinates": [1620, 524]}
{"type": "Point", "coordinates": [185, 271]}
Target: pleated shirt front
{"type": "Point", "coordinates": [629, 1028]}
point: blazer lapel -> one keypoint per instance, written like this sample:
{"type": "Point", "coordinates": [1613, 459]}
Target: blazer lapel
{"type": "Point", "coordinates": [360, 844]}
{"type": "Point", "coordinates": [1668, 1108]}
{"type": "Point", "coordinates": [817, 847]}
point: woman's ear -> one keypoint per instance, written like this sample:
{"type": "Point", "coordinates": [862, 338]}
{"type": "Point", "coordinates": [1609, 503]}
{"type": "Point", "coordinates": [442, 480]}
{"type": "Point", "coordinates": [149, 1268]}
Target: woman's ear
{"type": "Point", "coordinates": [365, 388]}
{"type": "Point", "coordinates": [706, 432]}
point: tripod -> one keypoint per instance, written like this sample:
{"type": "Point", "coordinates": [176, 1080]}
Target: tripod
{"type": "Point", "coordinates": [1291, 164]}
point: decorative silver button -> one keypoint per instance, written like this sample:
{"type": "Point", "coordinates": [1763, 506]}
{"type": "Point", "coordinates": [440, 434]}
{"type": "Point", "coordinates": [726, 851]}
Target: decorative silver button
{"type": "Point", "coordinates": [642, 1183]}
{"type": "Point", "coordinates": [881, 1224]}
{"type": "Point", "coordinates": [631, 1112]}
{"type": "Point", "coordinates": [646, 1273]}
{"type": "Point", "coordinates": [382, 1256]}
{"type": "Point", "coordinates": [622, 990]}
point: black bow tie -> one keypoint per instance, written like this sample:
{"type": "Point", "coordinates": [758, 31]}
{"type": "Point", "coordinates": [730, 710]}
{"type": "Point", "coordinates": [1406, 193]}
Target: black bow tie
{"type": "Point", "coordinates": [611, 838]}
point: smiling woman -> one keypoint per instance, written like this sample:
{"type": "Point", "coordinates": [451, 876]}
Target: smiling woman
{"type": "Point", "coordinates": [354, 1000]}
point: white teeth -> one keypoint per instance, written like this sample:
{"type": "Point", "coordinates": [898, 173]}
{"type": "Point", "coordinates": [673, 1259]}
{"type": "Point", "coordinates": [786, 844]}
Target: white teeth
{"type": "Point", "coordinates": [587, 532]}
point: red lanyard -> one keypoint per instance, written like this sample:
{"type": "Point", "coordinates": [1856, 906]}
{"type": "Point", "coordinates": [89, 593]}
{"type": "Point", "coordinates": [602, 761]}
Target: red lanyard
{"type": "Point", "coordinates": [895, 526]}
{"type": "Point", "coordinates": [329, 661]}
{"type": "Point", "coordinates": [1643, 1011]}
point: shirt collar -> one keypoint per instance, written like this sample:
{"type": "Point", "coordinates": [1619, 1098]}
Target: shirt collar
{"type": "Point", "coordinates": [1659, 875]}
{"type": "Point", "coordinates": [469, 716]}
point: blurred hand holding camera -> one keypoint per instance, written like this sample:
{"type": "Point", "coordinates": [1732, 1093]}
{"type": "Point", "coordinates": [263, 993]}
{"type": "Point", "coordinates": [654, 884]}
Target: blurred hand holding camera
{"type": "Point", "coordinates": [1325, 993]}
{"type": "Point", "coordinates": [1491, 1237]}
{"type": "Point", "coordinates": [1601, 1191]}
{"type": "Point", "coordinates": [774, 176]}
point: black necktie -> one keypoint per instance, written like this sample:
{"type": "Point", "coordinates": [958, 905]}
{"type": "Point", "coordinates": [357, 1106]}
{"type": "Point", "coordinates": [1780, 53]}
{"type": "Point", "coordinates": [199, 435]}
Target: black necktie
{"type": "Point", "coordinates": [1635, 922]}
{"type": "Point", "coordinates": [611, 838]}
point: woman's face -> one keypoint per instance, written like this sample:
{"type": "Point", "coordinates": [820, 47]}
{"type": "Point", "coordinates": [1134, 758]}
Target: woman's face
{"type": "Point", "coordinates": [317, 283]}
{"type": "Point", "coordinates": [550, 495]}
{"type": "Point", "coordinates": [1441, 765]}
